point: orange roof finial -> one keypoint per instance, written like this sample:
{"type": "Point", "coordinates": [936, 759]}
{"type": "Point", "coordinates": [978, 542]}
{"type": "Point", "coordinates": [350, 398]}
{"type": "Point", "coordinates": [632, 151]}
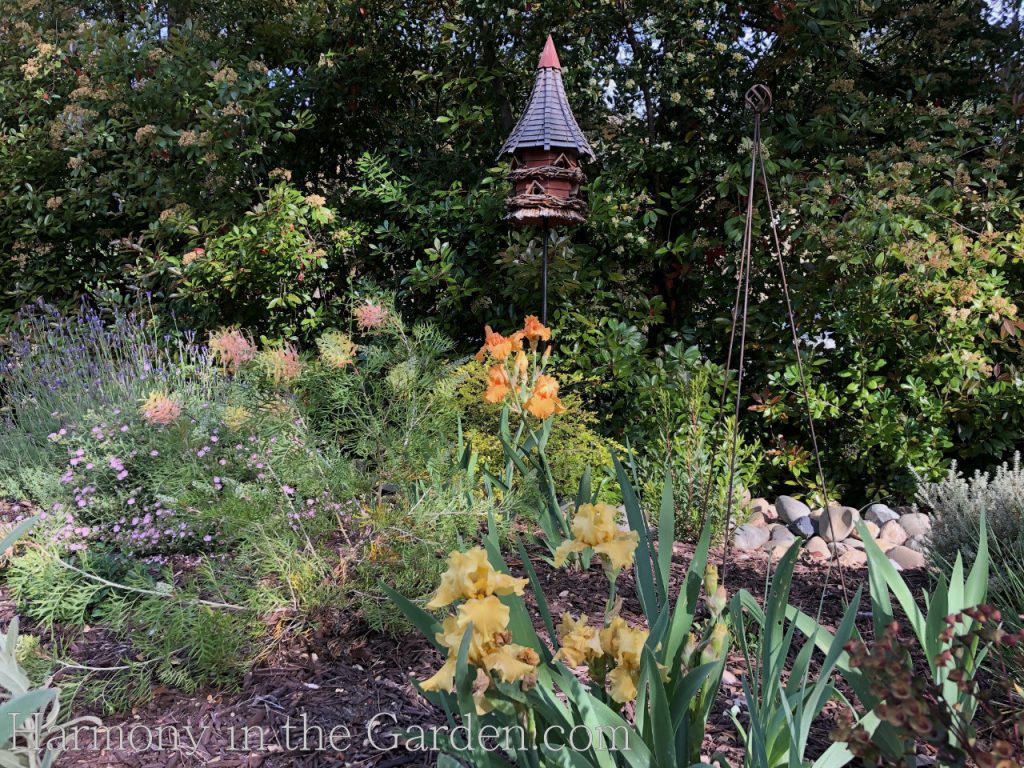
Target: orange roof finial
{"type": "Point", "coordinates": [549, 58]}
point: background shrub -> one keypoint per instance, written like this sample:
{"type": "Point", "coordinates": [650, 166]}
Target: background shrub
{"type": "Point", "coordinates": [132, 137]}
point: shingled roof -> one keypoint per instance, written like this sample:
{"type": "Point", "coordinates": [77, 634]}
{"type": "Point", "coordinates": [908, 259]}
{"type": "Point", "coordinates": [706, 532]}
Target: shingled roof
{"type": "Point", "coordinates": [548, 121]}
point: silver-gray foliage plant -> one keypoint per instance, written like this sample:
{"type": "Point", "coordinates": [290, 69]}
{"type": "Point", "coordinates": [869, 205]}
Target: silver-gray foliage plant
{"type": "Point", "coordinates": [957, 503]}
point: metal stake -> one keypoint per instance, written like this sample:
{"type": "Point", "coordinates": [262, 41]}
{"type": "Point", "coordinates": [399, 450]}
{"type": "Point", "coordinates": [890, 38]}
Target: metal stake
{"type": "Point", "coordinates": [544, 276]}
{"type": "Point", "coordinates": [759, 100]}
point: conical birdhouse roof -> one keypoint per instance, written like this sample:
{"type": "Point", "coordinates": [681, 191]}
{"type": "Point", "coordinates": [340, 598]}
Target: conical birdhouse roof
{"type": "Point", "coordinates": [548, 121]}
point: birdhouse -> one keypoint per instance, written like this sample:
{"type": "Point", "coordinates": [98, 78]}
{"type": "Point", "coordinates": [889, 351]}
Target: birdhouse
{"type": "Point", "coordinates": [546, 148]}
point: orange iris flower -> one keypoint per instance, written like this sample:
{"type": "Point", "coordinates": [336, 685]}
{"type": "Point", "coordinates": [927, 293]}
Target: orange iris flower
{"type": "Point", "coordinates": [499, 347]}
{"type": "Point", "coordinates": [498, 384]}
{"type": "Point", "coordinates": [534, 331]}
{"type": "Point", "coordinates": [544, 402]}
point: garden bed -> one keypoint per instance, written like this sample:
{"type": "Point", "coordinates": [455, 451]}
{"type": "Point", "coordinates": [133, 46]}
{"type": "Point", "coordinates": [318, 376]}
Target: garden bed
{"type": "Point", "coordinates": [348, 674]}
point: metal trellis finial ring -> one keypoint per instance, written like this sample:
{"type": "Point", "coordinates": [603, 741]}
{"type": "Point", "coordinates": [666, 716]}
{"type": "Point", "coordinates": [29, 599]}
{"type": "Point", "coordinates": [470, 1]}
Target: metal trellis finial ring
{"type": "Point", "coordinates": [758, 99]}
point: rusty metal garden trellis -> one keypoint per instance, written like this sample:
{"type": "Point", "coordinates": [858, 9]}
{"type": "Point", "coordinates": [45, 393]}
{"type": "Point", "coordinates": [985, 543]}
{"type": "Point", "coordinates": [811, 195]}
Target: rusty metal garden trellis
{"type": "Point", "coordinates": [758, 100]}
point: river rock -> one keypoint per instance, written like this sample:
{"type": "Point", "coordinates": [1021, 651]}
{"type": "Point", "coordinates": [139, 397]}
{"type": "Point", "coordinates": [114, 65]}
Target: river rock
{"type": "Point", "coordinates": [872, 529]}
{"type": "Point", "coordinates": [817, 549]}
{"type": "Point", "coordinates": [893, 531]}
{"type": "Point", "coordinates": [905, 558]}
{"type": "Point", "coordinates": [756, 518]}
{"type": "Point", "coordinates": [836, 524]}
{"type": "Point", "coordinates": [790, 509]}
{"type": "Point", "coordinates": [916, 524]}
{"type": "Point", "coordinates": [853, 558]}
{"type": "Point", "coordinates": [802, 526]}
{"type": "Point", "coordinates": [750, 537]}
{"type": "Point", "coordinates": [777, 548]}
{"type": "Point", "coordinates": [879, 514]}
{"type": "Point", "coordinates": [762, 506]}
{"type": "Point", "coordinates": [918, 544]}
{"type": "Point", "coordinates": [884, 544]}
{"type": "Point", "coordinates": [782, 533]}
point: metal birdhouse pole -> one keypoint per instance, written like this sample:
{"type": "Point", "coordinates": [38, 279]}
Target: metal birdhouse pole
{"type": "Point", "coordinates": [546, 147]}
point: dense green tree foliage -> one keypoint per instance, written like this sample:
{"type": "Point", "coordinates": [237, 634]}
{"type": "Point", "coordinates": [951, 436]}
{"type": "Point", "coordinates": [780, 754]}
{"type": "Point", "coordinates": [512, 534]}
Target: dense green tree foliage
{"type": "Point", "coordinates": [130, 138]}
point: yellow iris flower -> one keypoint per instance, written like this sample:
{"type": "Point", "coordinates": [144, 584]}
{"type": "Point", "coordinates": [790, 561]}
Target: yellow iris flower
{"type": "Point", "coordinates": [595, 527]}
{"type": "Point", "coordinates": [580, 641]}
{"type": "Point", "coordinates": [624, 644]}
{"type": "Point", "coordinates": [469, 576]}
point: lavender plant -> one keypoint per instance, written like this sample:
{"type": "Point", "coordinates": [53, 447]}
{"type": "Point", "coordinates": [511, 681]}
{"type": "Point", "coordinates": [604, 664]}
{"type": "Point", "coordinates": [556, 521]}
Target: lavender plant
{"type": "Point", "coordinates": [58, 367]}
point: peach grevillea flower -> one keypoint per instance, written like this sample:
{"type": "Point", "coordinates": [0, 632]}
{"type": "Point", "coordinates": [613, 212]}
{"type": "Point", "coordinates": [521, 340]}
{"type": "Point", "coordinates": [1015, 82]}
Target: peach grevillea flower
{"type": "Point", "coordinates": [232, 348]}
{"type": "Point", "coordinates": [595, 527]}
{"type": "Point", "coordinates": [160, 409]}
{"type": "Point", "coordinates": [543, 401]}
{"type": "Point", "coordinates": [281, 363]}
{"type": "Point", "coordinates": [470, 577]}
{"type": "Point", "coordinates": [534, 331]}
{"type": "Point", "coordinates": [336, 349]}
{"type": "Point", "coordinates": [498, 384]}
{"type": "Point", "coordinates": [370, 316]}
{"type": "Point", "coordinates": [579, 641]}
{"type": "Point", "coordinates": [499, 347]}
{"type": "Point", "coordinates": [626, 645]}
